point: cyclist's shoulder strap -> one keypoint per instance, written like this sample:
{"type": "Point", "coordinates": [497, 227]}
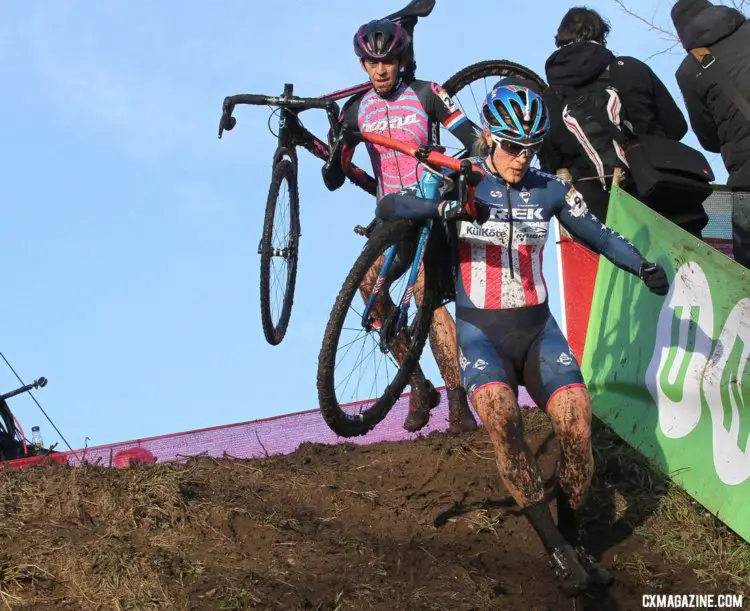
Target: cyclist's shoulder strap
{"type": "Point", "coordinates": [601, 82]}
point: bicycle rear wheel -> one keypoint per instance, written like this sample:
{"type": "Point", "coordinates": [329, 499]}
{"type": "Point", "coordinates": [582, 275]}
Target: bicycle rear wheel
{"type": "Point", "coordinates": [362, 413]}
{"type": "Point", "coordinates": [279, 249]}
{"type": "Point", "coordinates": [469, 86]}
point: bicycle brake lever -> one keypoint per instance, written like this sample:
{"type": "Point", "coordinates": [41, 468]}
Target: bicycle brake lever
{"type": "Point", "coordinates": [468, 179]}
{"type": "Point", "coordinates": [227, 121]}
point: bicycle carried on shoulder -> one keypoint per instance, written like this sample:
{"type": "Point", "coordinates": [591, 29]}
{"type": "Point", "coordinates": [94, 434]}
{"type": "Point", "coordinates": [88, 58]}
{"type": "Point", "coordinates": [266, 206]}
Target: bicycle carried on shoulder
{"type": "Point", "coordinates": [281, 226]}
{"type": "Point", "coordinates": [291, 134]}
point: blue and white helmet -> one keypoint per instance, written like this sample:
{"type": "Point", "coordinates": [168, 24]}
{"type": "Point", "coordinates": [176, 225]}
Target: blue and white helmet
{"type": "Point", "coordinates": [515, 113]}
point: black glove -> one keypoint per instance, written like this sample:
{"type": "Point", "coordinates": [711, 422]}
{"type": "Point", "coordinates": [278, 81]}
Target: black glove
{"type": "Point", "coordinates": [454, 211]}
{"type": "Point", "coordinates": [655, 278]}
{"type": "Point", "coordinates": [349, 134]}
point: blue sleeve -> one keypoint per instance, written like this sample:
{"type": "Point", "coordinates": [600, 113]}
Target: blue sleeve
{"type": "Point", "coordinates": [575, 216]}
{"type": "Point", "coordinates": [406, 204]}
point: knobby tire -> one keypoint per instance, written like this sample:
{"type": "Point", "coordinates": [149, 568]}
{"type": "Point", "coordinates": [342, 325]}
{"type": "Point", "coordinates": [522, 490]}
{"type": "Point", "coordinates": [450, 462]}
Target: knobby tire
{"type": "Point", "coordinates": [492, 67]}
{"type": "Point", "coordinates": [338, 420]}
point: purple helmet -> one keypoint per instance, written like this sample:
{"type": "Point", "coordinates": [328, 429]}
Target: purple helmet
{"type": "Point", "coordinates": [380, 39]}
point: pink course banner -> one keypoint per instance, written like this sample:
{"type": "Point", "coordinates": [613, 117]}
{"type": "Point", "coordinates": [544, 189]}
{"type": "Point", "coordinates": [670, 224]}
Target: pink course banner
{"type": "Point", "coordinates": [253, 439]}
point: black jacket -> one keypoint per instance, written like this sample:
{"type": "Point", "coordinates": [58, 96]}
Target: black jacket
{"type": "Point", "coordinates": [646, 102]}
{"type": "Point", "coordinates": [718, 124]}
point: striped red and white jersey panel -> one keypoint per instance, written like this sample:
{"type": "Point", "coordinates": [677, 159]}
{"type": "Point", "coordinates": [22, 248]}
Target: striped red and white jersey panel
{"type": "Point", "coordinates": [492, 276]}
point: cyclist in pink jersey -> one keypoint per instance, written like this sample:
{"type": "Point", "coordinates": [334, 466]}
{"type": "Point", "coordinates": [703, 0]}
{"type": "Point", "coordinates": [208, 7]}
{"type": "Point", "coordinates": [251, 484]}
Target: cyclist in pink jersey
{"type": "Point", "coordinates": [410, 110]}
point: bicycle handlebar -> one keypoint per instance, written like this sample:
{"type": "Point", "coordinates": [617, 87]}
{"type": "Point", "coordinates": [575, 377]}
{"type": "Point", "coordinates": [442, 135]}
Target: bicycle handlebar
{"type": "Point", "coordinates": [227, 121]}
{"type": "Point", "coordinates": [426, 155]}
{"type": "Point", "coordinates": [276, 100]}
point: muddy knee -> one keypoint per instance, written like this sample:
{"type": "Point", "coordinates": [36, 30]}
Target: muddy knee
{"type": "Point", "coordinates": [496, 406]}
{"type": "Point", "coordinates": [570, 411]}
{"type": "Point", "coordinates": [517, 468]}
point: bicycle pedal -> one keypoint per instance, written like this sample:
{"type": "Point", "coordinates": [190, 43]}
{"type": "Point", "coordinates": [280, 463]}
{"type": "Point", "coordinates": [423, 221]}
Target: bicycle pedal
{"type": "Point", "coordinates": [572, 576]}
{"type": "Point", "coordinates": [599, 575]}
{"type": "Point", "coordinates": [559, 564]}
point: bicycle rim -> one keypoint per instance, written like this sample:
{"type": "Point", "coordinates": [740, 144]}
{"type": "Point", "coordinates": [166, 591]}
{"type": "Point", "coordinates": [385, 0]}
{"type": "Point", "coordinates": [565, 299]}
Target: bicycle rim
{"type": "Point", "coordinates": [279, 250]}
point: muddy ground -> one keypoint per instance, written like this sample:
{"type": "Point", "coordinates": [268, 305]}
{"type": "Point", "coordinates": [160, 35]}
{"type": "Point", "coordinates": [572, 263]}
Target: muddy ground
{"type": "Point", "coordinates": [411, 525]}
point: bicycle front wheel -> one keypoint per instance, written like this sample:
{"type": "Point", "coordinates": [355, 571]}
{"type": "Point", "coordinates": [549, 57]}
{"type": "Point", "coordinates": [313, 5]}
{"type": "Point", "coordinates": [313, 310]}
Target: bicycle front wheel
{"type": "Point", "coordinates": [279, 250]}
{"type": "Point", "coordinates": [358, 383]}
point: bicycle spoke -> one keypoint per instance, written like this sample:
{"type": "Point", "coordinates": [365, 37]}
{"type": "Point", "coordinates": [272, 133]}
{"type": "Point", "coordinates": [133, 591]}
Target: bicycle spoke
{"type": "Point", "coordinates": [348, 347]}
{"type": "Point", "coordinates": [351, 373]}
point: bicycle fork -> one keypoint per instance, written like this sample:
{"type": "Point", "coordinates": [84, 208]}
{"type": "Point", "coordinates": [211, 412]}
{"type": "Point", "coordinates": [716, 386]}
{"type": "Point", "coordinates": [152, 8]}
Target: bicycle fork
{"type": "Point", "coordinates": [393, 324]}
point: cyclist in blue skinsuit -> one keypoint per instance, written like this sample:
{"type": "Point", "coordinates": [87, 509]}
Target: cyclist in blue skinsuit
{"type": "Point", "coordinates": [506, 333]}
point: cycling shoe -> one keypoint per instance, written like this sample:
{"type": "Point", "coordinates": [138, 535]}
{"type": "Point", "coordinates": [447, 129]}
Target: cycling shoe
{"type": "Point", "coordinates": [424, 398]}
{"type": "Point", "coordinates": [599, 575]}
{"type": "Point", "coordinates": [574, 579]}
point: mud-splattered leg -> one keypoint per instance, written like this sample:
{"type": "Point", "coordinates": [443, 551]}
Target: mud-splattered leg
{"type": "Point", "coordinates": [499, 411]}
{"type": "Point", "coordinates": [444, 346]}
{"type": "Point", "coordinates": [570, 412]}
{"type": "Point", "coordinates": [423, 394]}
{"type": "Point", "coordinates": [383, 305]}
{"type": "Point", "coordinates": [519, 472]}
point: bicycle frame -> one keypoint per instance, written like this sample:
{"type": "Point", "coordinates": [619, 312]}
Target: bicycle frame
{"type": "Point", "coordinates": [428, 188]}
{"type": "Point", "coordinates": [429, 183]}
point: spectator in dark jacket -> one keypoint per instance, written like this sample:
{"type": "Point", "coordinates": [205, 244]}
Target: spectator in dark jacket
{"type": "Point", "coordinates": [718, 123]}
{"type": "Point", "coordinates": [580, 60]}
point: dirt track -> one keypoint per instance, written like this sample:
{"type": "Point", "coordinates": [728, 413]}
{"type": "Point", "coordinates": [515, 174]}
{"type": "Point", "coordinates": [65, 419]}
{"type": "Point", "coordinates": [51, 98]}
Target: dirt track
{"type": "Point", "coordinates": [412, 525]}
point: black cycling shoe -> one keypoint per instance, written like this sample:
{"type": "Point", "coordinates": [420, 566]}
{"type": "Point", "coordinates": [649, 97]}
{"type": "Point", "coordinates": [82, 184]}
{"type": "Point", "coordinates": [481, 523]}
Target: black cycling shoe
{"type": "Point", "coordinates": [599, 575]}
{"type": "Point", "coordinates": [424, 398]}
{"type": "Point", "coordinates": [574, 579]}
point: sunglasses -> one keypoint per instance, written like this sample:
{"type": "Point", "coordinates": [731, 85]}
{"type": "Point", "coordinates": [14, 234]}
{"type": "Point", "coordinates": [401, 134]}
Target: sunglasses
{"type": "Point", "coordinates": [515, 149]}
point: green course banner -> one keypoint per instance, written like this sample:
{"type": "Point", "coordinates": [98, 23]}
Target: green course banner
{"type": "Point", "coordinates": [670, 374]}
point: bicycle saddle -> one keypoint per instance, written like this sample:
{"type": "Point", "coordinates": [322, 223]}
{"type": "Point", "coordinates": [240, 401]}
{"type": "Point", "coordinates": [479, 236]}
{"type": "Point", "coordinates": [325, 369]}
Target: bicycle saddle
{"type": "Point", "coordinates": [414, 10]}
